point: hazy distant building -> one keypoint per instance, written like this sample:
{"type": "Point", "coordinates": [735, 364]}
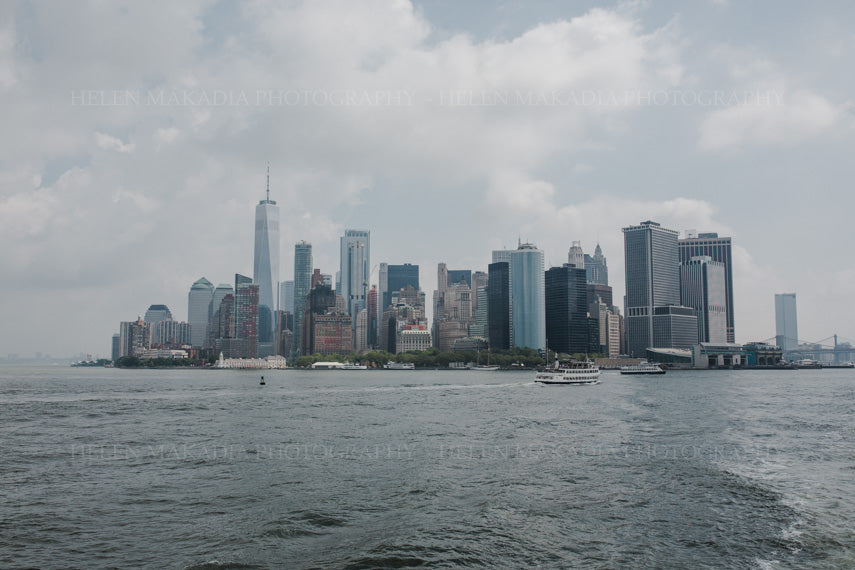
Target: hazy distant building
{"type": "Point", "coordinates": [719, 249]}
{"type": "Point", "coordinates": [566, 309]}
{"type": "Point", "coordinates": [355, 269]}
{"type": "Point", "coordinates": [499, 305]}
{"type": "Point", "coordinates": [265, 270]}
{"type": "Point", "coordinates": [199, 310]}
{"type": "Point", "coordinates": [652, 271]}
{"type": "Point", "coordinates": [286, 297]}
{"type": "Point", "coordinates": [786, 323]}
{"type": "Point", "coordinates": [115, 348]}
{"type": "Point", "coordinates": [302, 286]}
{"type": "Point", "coordinates": [596, 269]}
{"type": "Point", "coordinates": [157, 313]}
{"type": "Point", "coordinates": [702, 287]}
{"type": "Point", "coordinates": [576, 257]}
{"type": "Point", "coordinates": [133, 337]}
{"type": "Point", "coordinates": [527, 297]}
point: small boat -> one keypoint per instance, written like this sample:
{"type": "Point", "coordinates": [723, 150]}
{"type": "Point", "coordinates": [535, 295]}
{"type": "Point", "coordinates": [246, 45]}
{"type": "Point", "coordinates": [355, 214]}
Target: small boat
{"type": "Point", "coordinates": [807, 364]}
{"type": "Point", "coordinates": [391, 365]}
{"type": "Point", "coordinates": [571, 372]}
{"type": "Point", "coordinates": [642, 367]}
{"type": "Point", "coordinates": [845, 365]}
{"type": "Point", "coordinates": [483, 367]}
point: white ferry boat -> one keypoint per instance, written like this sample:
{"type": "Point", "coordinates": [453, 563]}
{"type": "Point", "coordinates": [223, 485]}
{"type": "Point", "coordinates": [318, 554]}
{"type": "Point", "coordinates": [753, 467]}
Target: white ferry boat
{"type": "Point", "coordinates": [399, 365]}
{"type": "Point", "coordinates": [353, 366]}
{"type": "Point", "coordinates": [642, 367]}
{"type": "Point", "coordinates": [573, 372]}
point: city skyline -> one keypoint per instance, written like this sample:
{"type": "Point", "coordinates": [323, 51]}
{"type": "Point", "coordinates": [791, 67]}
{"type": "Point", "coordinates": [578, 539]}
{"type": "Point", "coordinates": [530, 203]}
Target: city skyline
{"type": "Point", "coordinates": [448, 132]}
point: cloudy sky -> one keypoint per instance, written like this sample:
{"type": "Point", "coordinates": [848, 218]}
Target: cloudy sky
{"type": "Point", "coordinates": [136, 136]}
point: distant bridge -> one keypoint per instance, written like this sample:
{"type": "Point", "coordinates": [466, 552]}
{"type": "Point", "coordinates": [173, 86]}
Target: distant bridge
{"type": "Point", "coordinates": [831, 349]}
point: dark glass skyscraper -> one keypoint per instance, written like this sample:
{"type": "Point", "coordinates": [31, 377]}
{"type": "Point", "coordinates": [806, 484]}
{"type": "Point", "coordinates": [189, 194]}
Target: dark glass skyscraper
{"type": "Point", "coordinates": [399, 277]}
{"type": "Point", "coordinates": [499, 305]}
{"type": "Point", "coordinates": [567, 310]}
{"type": "Point", "coordinates": [458, 275]}
{"type": "Point", "coordinates": [719, 249]}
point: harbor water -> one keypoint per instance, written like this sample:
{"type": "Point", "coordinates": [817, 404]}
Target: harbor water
{"type": "Point", "coordinates": [380, 468]}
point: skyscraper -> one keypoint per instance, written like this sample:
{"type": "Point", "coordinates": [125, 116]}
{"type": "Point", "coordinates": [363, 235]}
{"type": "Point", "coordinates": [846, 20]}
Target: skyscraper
{"type": "Point", "coordinates": [786, 324]}
{"type": "Point", "coordinates": [157, 313]}
{"type": "Point", "coordinates": [199, 310]}
{"type": "Point", "coordinates": [567, 317]}
{"type": "Point", "coordinates": [372, 317]}
{"type": "Point", "coordinates": [576, 256]}
{"type": "Point", "coordinates": [452, 306]}
{"type": "Point", "coordinates": [286, 297]}
{"type": "Point", "coordinates": [527, 297]}
{"type": "Point", "coordinates": [265, 272]}
{"type": "Point", "coordinates": [596, 269]}
{"type": "Point", "coordinates": [652, 265]}
{"type": "Point", "coordinates": [134, 336]}
{"type": "Point", "coordinates": [246, 315]}
{"type": "Point", "coordinates": [398, 277]}
{"type": "Point", "coordinates": [499, 305]}
{"type": "Point", "coordinates": [302, 286]}
{"type": "Point", "coordinates": [719, 249]}
{"type": "Point", "coordinates": [355, 269]}
{"type": "Point", "coordinates": [702, 287]}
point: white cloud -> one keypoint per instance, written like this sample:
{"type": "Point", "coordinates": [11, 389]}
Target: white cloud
{"type": "Point", "coordinates": [108, 142]}
{"type": "Point", "coordinates": [773, 111]}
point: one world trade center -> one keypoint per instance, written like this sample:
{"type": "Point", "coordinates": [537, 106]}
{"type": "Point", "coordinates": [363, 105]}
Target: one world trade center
{"type": "Point", "coordinates": [265, 272]}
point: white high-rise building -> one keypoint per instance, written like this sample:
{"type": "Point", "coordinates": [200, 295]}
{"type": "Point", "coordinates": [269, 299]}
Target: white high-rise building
{"type": "Point", "coordinates": [786, 324]}
{"type": "Point", "coordinates": [265, 271]}
{"type": "Point", "coordinates": [528, 297]}
{"type": "Point", "coordinates": [703, 287]}
{"type": "Point", "coordinates": [576, 257]}
{"type": "Point", "coordinates": [355, 270]}
{"type": "Point", "coordinates": [198, 310]}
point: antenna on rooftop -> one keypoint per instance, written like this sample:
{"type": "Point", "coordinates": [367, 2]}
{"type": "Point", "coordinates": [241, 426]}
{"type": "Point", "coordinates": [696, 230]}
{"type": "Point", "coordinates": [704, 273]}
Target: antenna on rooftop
{"type": "Point", "coordinates": [268, 180]}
